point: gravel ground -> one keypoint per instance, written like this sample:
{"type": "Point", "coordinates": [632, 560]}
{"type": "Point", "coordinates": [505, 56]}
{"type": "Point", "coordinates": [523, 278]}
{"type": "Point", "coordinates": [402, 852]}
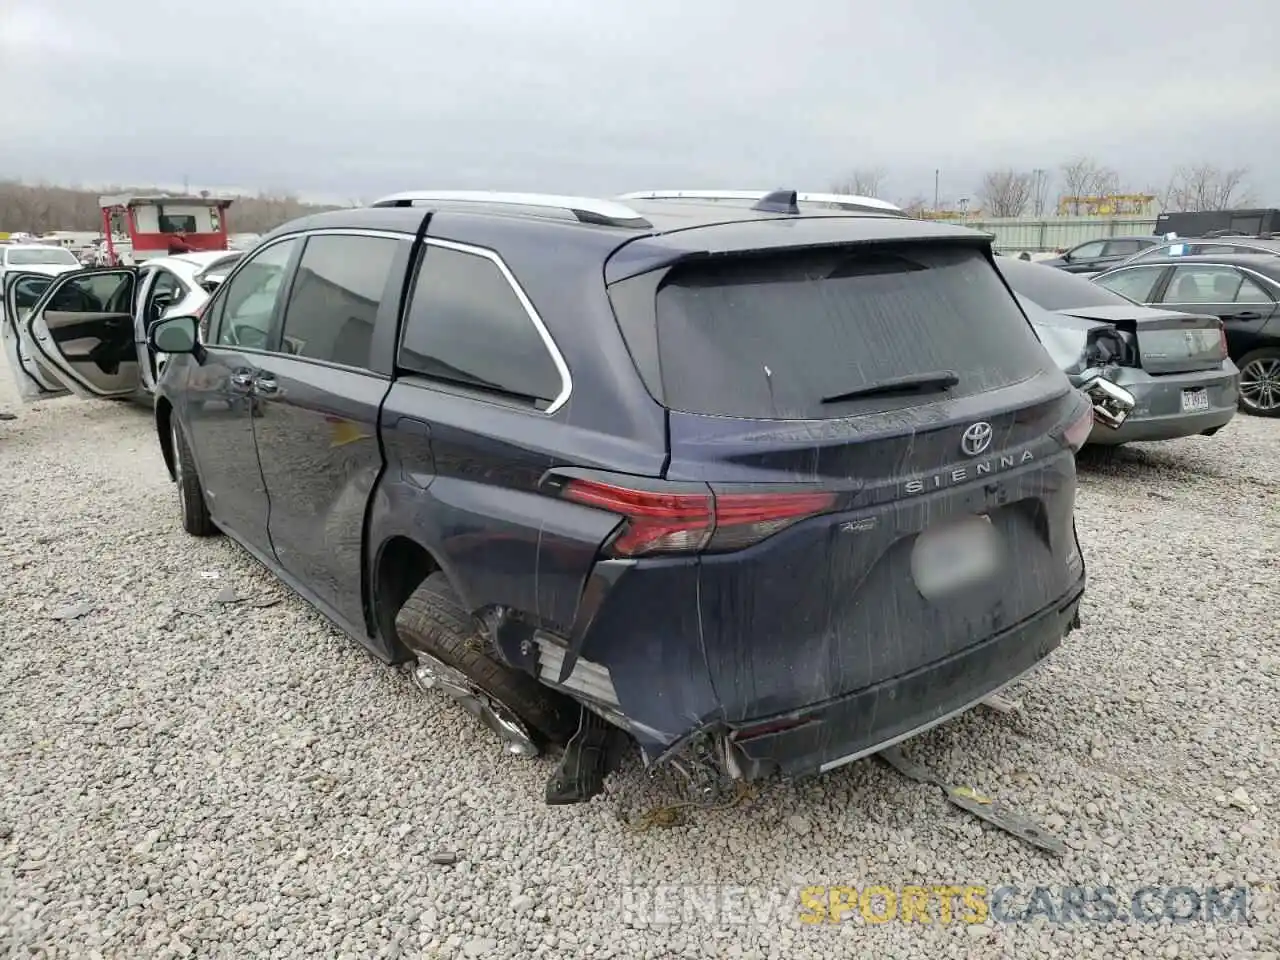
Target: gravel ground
{"type": "Point", "coordinates": [185, 778]}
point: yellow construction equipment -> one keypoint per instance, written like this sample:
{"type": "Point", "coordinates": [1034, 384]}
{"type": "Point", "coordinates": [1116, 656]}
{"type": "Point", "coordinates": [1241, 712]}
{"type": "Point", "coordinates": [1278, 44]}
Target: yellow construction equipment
{"type": "Point", "coordinates": [1106, 205]}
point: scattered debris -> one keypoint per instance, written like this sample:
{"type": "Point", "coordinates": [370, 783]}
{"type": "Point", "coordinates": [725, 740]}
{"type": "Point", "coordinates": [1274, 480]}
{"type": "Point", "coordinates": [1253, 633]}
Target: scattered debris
{"type": "Point", "coordinates": [445, 858]}
{"type": "Point", "coordinates": [673, 815]}
{"type": "Point", "coordinates": [228, 594]}
{"type": "Point", "coordinates": [208, 574]}
{"type": "Point", "coordinates": [1002, 704]}
{"type": "Point", "coordinates": [72, 611]}
{"type": "Point", "coordinates": [983, 807]}
{"type": "Point", "coordinates": [266, 602]}
{"type": "Point", "coordinates": [1240, 798]}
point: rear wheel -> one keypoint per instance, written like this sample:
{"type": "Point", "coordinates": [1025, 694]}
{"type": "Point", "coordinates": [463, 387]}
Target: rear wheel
{"type": "Point", "coordinates": [451, 658]}
{"type": "Point", "coordinates": [195, 512]}
{"type": "Point", "coordinates": [1260, 382]}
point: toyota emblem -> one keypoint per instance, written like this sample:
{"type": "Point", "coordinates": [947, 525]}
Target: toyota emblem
{"type": "Point", "coordinates": [976, 438]}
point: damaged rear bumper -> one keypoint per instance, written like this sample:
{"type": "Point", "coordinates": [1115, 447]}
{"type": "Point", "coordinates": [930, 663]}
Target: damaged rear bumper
{"type": "Point", "coordinates": [828, 735]}
{"type": "Point", "coordinates": [1158, 413]}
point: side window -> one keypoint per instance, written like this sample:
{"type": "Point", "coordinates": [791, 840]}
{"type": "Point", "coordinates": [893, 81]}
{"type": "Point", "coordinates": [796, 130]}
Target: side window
{"type": "Point", "coordinates": [1210, 284]}
{"type": "Point", "coordinates": [27, 291]}
{"type": "Point", "coordinates": [247, 304]}
{"type": "Point", "coordinates": [1123, 248]}
{"type": "Point", "coordinates": [1087, 251]}
{"type": "Point", "coordinates": [334, 298]}
{"type": "Point", "coordinates": [1134, 283]}
{"type": "Point", "coordinates": [1251, 292]}
{"type": "Point", "coordinates": [466, 325]}
{"type": "Point", "coordinates": [167, 287]}
{"type": "Point", "coordinates": [96, 293]}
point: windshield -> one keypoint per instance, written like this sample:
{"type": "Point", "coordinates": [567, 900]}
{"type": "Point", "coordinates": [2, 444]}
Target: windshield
{"type": "Point", "coordinates": [1054, 289]}
{"type": "Point", "coordinates": [29, 256]}
{"type": "Point", "coordinates": [770, 337]}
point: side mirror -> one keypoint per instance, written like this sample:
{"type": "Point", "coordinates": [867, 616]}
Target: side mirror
{"type": "Point", "coordinates": [1112, 404]}
{"type": "Point", "coordinates": [174, 335]}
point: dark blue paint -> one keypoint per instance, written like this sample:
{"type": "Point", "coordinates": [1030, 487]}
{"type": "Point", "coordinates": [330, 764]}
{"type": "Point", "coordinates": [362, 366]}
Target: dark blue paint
{"type": "Point", "coordinates": [339, 463]}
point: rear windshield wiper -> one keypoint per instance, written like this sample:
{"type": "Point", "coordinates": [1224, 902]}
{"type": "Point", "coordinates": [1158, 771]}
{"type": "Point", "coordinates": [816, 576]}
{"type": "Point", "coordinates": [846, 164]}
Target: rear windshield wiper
{"type": "Point", "coordinates": [934, 382]}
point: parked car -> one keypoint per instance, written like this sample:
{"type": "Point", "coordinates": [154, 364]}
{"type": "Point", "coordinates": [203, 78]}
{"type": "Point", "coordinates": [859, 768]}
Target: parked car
{"type": "Point", "coordinates": [1195, 246]}
{"type": "Point", "coordinates": [39, 258]}
{"type": "Point", "coordinates": [1241, 289]}
{"type": "Point", "coordinates": [763, 487]}
{"type": "Point", "coordinates": [83, 331]}
{"type": "Point", "coordinates": [1097, 255]}
{"type": "Point", "coordinates": [1174, 364]}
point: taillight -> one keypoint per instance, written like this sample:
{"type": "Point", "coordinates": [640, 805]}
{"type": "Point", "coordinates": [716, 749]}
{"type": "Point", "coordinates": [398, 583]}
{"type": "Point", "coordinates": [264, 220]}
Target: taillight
{"type": "Point", "coordinates": [687, 522]}
{"type": "Point", "coordinates": [1077, 431]}
{"type": "Point", "coordinates": [1222, 339]}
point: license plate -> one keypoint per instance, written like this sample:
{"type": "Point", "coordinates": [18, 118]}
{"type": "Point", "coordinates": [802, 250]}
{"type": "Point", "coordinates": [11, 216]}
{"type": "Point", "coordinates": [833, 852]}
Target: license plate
{"type": "Point", "coordinates": [1195, 400]}
{"type": "Point", "coordinates": [951, 556]}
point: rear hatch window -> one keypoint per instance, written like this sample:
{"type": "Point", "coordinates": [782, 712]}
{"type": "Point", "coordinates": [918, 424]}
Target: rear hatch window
{"type": "Point", "coordinates": [782, 336]}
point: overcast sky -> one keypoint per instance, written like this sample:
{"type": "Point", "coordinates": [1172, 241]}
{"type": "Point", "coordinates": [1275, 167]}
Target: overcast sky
{"type": "Point", "coordinates": [597, 96]}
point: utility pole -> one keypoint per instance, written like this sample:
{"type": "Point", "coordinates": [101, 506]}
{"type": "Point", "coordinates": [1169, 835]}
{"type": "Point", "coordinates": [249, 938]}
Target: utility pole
{"type": "Point", "coordinates": [936, 174]}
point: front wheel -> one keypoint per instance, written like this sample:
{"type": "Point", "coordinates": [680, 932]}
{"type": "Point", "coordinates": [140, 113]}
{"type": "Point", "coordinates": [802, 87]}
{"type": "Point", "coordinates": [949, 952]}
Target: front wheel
{"type": "Point", "coordinates": [195, 511]}
{"type": "Point", "coordinates": [1260, 382]}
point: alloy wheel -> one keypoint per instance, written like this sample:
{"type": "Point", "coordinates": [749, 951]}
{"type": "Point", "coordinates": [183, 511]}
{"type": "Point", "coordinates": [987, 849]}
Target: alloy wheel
{"type": "Point", "coordinates": [432, 674]}
{"type": "Point", "coordinates": [1260, 384]}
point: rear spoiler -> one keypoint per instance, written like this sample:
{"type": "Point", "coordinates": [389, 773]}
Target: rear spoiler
{"type": "Point", "coordinates": [745, 237]}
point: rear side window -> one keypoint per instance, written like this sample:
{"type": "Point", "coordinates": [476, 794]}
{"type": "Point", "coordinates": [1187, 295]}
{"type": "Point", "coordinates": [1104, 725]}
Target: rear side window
{"type": "Point", "coordinates": [334, 300]}
{"type": "Point", "coordinates": [1133, 283]}
{"type": "Point", "coordinates": [773, 337]}
{"type": "Point", "coordinates": [1123, 248]}
{"type": "Point", "coordinates": [467, 326]}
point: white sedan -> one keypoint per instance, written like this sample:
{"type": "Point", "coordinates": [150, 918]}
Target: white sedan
{"type": "Point", "coordinates": [35, 258]}
{"type": "Point", "coordinates": [84, 331]}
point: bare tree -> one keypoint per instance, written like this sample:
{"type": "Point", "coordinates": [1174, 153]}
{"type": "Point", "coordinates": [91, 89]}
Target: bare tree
{"type": "Point", "coordinates": [1040, 183]}
{"type": "Point", "coordinates": [1086, 177]}
{"type": "Point", "coordinates": [1006, 193]}
{"type": "Point", "coordinates": [1203, 186]}
{"type": "Point", "coordinates": [866, 182]}
{"type": "Point", "coordinates": [914, 206]}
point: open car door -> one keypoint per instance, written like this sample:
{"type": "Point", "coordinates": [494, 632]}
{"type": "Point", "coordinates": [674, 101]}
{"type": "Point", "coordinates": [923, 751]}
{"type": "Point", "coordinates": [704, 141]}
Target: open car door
{"type": "Point", "coordinates": [34, 380]}
{"type": "Point", "coordinates": [82, 328]}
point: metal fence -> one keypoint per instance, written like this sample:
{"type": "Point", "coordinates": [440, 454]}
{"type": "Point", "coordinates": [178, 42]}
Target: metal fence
{"type": "Point", "coordinates": [1041, 234]}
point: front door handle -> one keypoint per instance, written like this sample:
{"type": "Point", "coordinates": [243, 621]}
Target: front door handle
{"type": "Point", "coordinates": [1247, 315]}
{"type": "Point", "coordinates": [266, 386]}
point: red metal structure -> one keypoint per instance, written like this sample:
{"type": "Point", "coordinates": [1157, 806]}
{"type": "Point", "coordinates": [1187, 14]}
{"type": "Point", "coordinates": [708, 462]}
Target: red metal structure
{"type": "Point", "coordinates": [156, 224]}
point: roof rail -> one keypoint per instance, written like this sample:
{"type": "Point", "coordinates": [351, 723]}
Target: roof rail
{"type": "Point", "coordinates": [585, 209]}
{"type": "Point", "coordinates": [835, 199]}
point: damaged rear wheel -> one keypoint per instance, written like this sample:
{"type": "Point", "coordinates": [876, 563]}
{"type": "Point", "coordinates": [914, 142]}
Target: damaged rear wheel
{"type": "Point", "coordinates": [452, 657]}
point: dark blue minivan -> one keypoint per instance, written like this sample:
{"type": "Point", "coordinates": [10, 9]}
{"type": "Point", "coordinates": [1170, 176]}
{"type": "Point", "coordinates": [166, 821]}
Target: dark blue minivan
{"type": "Point", "coordinates": [772, 480]}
